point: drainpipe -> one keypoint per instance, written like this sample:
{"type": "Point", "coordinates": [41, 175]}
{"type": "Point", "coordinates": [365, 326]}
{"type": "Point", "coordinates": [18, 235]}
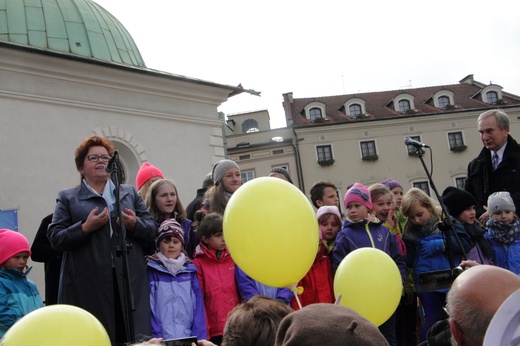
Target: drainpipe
{"type": "Point", "coordinates": [296, 148]}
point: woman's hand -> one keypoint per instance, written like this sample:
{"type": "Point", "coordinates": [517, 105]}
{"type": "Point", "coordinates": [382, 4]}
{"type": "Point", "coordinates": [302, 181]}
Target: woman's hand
{"type": "Point", "coordinates": [129, 218]}
{"type": "Point", "coordinates": [95, 222]}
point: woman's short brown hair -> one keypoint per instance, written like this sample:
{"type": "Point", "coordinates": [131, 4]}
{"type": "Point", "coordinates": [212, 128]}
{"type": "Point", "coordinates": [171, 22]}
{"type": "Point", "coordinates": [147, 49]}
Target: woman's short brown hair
{"type": "Point", "coordinates": [92, 141]}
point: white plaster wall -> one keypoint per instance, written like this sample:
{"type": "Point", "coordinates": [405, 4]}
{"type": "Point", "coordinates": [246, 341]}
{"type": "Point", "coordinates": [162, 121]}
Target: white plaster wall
{"type": "Point", "coordinates": [48, 105]}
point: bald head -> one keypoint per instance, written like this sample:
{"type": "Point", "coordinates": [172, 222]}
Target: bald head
{"type": "Point", "coordinates": [474, 298]}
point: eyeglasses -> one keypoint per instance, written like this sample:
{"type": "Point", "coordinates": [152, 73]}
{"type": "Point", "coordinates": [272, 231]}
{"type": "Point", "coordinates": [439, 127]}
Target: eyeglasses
{"type": "Point", "coordinates": [96, 158]}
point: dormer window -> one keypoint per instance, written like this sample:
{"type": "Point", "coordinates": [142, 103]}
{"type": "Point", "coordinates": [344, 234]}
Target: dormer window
{"type": "Point", "coordinates": [492, 94]}
{"type": "Point", "coordinates": [443, 99]}
{"type": "Point", "coordinates": [404, 105]}
{"type": "Point", "coordinates": [492, 97]}
{"type": "Point", "coordinates": [314, 113]}
{"type": "Point", "coordinates": [355, 110]}
{"type": "Point", "coordinates": [354, 107]}
{"type": "Point", "coordinates": [443, 102]}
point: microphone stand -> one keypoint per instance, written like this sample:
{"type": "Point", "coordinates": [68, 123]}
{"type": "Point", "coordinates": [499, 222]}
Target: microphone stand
{"type": "Point", "coordinates": [447, 222]}
{"type": "Point", "coordinates": [122, 250]}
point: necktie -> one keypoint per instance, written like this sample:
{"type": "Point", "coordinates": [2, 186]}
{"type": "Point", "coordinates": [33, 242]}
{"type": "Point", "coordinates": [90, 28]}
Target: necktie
{"type": "Point", "coordinates": [494, 160]}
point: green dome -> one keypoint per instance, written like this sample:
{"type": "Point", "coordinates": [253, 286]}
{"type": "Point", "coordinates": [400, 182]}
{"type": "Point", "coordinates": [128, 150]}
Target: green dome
{"type": "Point", "coordinates": [75, 27]}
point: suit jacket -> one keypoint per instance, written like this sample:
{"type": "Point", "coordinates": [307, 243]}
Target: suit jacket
{"type": "Point", "coordinates": [481, 181]}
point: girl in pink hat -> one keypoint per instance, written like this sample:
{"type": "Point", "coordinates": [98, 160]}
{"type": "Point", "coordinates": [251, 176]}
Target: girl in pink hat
{"type": "Point", "coordinates": [18, 295]}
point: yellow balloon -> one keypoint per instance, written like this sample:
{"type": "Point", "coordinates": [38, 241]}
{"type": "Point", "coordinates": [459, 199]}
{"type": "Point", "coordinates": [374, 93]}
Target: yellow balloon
{"type": "Point", "coordinates": [369, 283]}
{"type": "Point", "coordinates": [57, 325]}
{"type": "Point", "coordinates": [271, 231]}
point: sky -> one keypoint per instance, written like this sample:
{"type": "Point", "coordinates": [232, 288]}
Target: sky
{"type": "Point", "coordinates": [324, 48]}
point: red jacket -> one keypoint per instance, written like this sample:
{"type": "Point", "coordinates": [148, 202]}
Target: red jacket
{"type": "Point", "coordinates": [317, 284]}
{"type": "Point", "coordinates": [217, 280]}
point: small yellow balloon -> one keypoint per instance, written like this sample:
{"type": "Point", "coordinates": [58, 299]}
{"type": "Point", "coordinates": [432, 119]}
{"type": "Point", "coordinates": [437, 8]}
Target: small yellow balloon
{"type": "Point", "coordinates": [271, 231]}
{"type": "Point", "coordinates": [370, 283]}
{"type": "Point", "coordinates": [57, 325]}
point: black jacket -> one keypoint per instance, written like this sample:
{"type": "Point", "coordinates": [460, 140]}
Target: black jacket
{"type": "Point", "coordinates": [482, 181]}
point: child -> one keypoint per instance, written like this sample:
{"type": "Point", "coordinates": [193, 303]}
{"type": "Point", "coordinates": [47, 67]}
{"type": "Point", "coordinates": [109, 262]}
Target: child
{"type": "Point", "coordinates": [254, 323]}
{"type": "Point", "coordinates": [503, 231]}
{"type": "Point", "coordinates": [249, 288]}
{"type": "Point", "coordinates": [362, 230]}
{"type": "Point", "coordinates": [426, 250]}
{"type": "Point", "coordinates": [176, 300]}
{"type": "Point", "coordinates": [324, 193]}
{"type": "Point", "coordinates": [216, 272]}
{"type": "Point", "coordinates": [461, 205]}
{"type": "Point", "coordinates": [18, 295]}
{"type": "Point", "coordinates": [164, 203]}
{"type": "Point", "coordinates": [397, 192]}
{"type": "Point", "coordinates": [329, 222]}
{"type": "Point", "coordinates": [317, 284]}
{"type": "Point", "coordinates": [383, 207]}
{"type": "Point", "coordinates": [146, 175]}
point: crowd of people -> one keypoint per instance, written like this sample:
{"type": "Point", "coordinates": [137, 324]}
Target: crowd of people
{"type": "Point", "coordinates": [147, 268]}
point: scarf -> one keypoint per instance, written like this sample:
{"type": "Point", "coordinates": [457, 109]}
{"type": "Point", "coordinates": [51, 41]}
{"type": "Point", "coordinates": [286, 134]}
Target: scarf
{"type": "Point", "coordinates": [502, 232]}
{"type": "Point", "coordinates": [174, 265]}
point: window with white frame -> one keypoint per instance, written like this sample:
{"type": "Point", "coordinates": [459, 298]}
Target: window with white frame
{"type": "Point", "coordinates": [314, 114]}
{"type": "Point", "coordinates": [368, 149]}
{"type": "Point", "coordinates": [492, 97]}
{"type": "Point", "coordinates": [423, 185]}
{"type": "Point", "coordinates": [460, 182]}
{"type": "Point", "coordinates": [455, 139]}
{"type": "Point", "coordinates": [403, 105]}
{"type": "Point", "coordinates": [247, 175]}
{"type": "Point", "coordinates": [443, 101]}
{"type": "Point", "coordinates": [355, 110]}
{"type": "Point", "coordinates": [324, 152]}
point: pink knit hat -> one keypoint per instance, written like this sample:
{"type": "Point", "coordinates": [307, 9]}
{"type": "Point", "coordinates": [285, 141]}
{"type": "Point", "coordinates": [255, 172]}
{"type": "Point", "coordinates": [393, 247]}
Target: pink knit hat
{"type": "Point", "coordinates": [12, 243]}
{"type": "Point", "coordinates": [328, 209]}
{"type": "Point", "coordinates": [358, 193]}
{"type": "Point", "coordinates": [145, 173]}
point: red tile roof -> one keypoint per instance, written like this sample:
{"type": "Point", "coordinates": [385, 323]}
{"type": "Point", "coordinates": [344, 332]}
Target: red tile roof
{"type": "Point", "coordinates": [378, 104]}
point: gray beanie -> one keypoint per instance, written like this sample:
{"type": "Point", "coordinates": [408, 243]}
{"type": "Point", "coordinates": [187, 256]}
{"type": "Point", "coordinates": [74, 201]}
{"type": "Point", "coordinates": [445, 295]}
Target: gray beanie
{"type": "Point", "coordinates": [220, 168]}
{"type": "Point", "coordinates": [327, 324]}
{"type": "Point", "coordinates": [499, 201]}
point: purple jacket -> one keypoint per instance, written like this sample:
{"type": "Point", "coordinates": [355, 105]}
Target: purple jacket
{"type": "Point", "coordinates": [176, 302]}
{"type": "Point", "coordinates": [355, 235]}
{"type": "Point", "coordinates": [248, 287]}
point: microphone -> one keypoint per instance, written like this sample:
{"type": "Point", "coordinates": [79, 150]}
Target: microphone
{"type": "Point", "coordinates": [409, 141]}
{"type": "Point", "coordinates": [110, 164]}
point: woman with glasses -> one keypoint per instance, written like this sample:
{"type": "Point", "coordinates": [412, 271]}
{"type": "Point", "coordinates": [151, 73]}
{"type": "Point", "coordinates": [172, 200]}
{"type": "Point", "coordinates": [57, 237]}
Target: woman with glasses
{"type": "Point", "coordinates": [86, 228]}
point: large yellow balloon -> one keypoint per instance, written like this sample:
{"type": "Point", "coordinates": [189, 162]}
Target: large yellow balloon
{"type": "Point", "coordinates": [57, 325]}
{"type": "Point", "coordinates": [271, 231]}
{"type": "Point", "coordinates": [370, 283]}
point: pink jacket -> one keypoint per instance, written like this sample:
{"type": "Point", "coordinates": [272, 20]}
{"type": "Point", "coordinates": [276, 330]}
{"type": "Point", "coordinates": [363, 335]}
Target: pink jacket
{"type": "Point", "coordinates": [217, 279]}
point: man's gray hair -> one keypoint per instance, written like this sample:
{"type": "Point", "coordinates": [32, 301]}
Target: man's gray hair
{"type": "Point", "coordinates": [502, 118]}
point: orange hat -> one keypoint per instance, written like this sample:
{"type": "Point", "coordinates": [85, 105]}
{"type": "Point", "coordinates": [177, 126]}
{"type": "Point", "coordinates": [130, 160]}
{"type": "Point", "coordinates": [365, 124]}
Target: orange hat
{"type": "Point", "coordinates": [145, 173]}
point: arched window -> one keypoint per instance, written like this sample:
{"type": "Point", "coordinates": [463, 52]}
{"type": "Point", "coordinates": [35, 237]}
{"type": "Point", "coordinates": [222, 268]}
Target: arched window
{"type": "Point", "coordinates": [404, 105]}
{"type": "Point", "coordinates": [314, 113]}
{"type": "Point", "coordinates": [443, 101]}
{"type": "Point", "coordinates": [250, 125]}
{"type": "Point", "coordinates": [492, 97]}
{"type": "Point", "coordinates": [354, 110]}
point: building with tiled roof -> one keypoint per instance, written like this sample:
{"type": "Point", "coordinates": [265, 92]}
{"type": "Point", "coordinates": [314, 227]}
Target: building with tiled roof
{"type": "Point", "coordinates": [360, 137]}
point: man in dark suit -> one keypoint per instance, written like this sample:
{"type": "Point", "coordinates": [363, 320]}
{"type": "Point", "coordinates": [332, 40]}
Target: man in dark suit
{"type": "Point", "coordinates": [497, 167]}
